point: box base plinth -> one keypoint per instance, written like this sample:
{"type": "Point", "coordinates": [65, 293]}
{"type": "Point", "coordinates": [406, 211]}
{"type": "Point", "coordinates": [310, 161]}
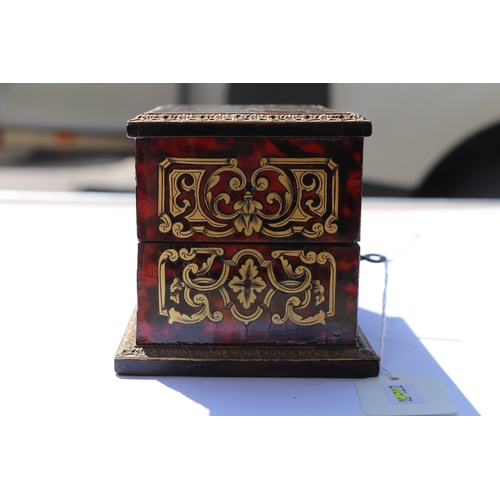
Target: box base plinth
{"type": "Point", "coordinates": [359, 361]}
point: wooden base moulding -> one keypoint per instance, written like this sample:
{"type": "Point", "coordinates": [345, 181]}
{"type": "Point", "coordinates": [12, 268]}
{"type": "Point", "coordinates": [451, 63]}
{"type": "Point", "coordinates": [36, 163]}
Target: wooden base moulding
{"type": "Point", "coordinates": [359, 361]}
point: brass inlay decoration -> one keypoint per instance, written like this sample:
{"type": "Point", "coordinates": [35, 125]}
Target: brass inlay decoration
{"type": "Point", "coordinates": [187, 277]}
{"type": "Point", "coordinates": [302, 194]}
{"type": "Point", "coordinates": [244, 114]}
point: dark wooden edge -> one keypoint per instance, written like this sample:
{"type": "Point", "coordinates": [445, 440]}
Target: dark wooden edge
{"type": "Point", "coordinates": [341, 129]}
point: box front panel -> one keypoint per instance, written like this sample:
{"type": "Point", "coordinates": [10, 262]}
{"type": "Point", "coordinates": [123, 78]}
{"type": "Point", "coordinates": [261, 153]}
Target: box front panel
{"type": "Point", "coordinates": [249, 189]}
{"type": "Point", "coordinates": [230, 294]}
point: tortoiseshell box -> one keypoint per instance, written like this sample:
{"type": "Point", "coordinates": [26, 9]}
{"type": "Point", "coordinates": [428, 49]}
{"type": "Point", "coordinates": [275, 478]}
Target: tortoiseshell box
{"type": "Point", "coordinates": [248, 220]}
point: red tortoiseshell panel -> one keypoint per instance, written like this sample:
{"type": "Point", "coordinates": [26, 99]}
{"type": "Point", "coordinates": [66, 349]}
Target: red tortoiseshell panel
{"type": "Point", "coordinates": [249, 189]}
{"type": "Point", "coordinates": [228, 294]}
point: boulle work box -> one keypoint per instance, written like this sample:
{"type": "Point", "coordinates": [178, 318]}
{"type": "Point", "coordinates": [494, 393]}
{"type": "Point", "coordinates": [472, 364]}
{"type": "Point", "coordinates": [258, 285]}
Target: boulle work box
{"type": "Point", "coordinates": [248, 220]}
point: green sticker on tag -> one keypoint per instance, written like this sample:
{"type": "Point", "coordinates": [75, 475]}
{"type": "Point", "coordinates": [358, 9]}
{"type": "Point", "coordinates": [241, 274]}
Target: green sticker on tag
{"type": "Point", "coordinates": [402, 394]}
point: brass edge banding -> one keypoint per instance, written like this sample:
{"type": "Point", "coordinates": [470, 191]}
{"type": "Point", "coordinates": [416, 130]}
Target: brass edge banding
{"type": "Point", "coordinates": [129, 350]}
{"type": "Point", "coordinates": [306, 117]}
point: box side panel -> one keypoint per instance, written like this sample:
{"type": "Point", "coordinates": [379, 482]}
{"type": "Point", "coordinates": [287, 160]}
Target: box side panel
{"type": "Point", "coordinates": [231, 294]}
{"type": "Point", "coordinates": [249, 189]}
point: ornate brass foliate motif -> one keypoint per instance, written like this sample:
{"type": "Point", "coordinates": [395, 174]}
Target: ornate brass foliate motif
{"type": "Point", "coordinates": [211, 210]}
{"type": "Point", "coordinates": [188, 276]}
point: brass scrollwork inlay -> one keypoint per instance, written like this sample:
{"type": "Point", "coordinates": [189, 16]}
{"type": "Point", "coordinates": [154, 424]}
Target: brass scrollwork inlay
{"type": "Point", "coordinates": [246, 283]}
{"type": "Point", "coordinates": [222, 201]}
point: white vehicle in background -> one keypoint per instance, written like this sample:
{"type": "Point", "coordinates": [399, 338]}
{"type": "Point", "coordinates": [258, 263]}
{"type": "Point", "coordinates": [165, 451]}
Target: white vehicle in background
{"type": "Point", "coordinates": [428, 139]}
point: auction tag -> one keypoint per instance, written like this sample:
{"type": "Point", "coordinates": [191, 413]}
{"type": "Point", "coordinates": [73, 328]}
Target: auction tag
{"type": "Point", "coordinates": [405, 394]}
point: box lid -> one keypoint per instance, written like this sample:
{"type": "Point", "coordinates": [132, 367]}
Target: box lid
{"type": "Point", "coordinates": [230, 120]}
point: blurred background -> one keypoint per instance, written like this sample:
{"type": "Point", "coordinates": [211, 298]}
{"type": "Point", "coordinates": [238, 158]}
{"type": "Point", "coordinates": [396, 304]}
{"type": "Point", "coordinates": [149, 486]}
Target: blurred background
{"type": "Point", "coordinates": [429, 140]}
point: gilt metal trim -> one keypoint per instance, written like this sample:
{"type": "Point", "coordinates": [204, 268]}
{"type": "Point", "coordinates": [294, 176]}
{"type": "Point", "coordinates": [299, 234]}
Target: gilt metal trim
{"type": "Point", "coordinates": [129, 350]}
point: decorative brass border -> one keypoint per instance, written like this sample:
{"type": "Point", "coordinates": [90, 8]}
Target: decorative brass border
{"type": "Point", "coordinates": [248, 216]}
{"type": "Point", "coordinates": [129, 350]}
{"type": "Point", "coordinates": [313, 115]}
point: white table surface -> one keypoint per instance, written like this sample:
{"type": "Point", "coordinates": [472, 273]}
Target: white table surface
{"type": "Point", "coordinates": [67, 290]}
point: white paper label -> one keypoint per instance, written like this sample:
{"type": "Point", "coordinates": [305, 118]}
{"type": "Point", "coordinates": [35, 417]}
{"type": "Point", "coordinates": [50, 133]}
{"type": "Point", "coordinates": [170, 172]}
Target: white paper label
{"type": "Point", "coordinates": [405, 395]}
